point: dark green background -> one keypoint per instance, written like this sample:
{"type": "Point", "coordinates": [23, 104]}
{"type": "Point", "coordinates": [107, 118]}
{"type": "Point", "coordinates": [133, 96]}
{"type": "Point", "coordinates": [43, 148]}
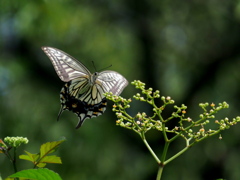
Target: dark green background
{"type": "Point", "coordinates": [189, 50]}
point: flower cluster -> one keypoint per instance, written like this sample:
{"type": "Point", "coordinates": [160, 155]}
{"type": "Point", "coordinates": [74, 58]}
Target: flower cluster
{"type": "Point", "coordinates": [186, 127]}
{"type": "Point", "coordinates": [15, 141]}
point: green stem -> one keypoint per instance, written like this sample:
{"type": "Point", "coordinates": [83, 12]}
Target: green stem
{"type": "Point", "coordinates": [159, 174]}
{"type": "Point", "coordinates": [164, 154]}
{"type": "Point", "coordinates": [176, 155]}
{"type": "Point", "coordinates": [188, 145]}
{"type": "Point", "coordinates": [9, 156]}
{"type": "Point", "coordinates": [164, 132]}
{"type": "Point", "coordinates": [150, 149]}
{"type": "Point", "coordinates": [14, 159]}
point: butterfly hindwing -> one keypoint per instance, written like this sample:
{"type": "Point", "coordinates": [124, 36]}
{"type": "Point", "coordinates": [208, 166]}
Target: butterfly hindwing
{"type": "Point", "coordinates": [112, 81]}
{"type": "Point", "coordinates": [82, 109]}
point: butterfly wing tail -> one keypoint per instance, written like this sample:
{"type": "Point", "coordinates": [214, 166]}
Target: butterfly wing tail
{"type": "Point", "coordinates": [60, 112]}
{"type": "Point", "coordinates": [81, 121]}
{"type": "Point", "coordinates": [91, 111]}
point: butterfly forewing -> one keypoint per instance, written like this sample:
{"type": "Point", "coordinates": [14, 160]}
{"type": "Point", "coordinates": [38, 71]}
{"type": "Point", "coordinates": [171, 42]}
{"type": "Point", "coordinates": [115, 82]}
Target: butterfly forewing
{"type": "Point", "coordinates": [66, 67]}
{"type": "Point", "coordinates": [83, 93]}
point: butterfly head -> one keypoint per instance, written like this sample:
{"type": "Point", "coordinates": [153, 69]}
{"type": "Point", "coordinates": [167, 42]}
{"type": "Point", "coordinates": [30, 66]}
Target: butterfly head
{"type": "Point", "coordinates": [93, 78]}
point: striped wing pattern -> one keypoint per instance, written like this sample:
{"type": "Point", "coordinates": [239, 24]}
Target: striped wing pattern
{"type": "Point", "coordinates": [112, 81]}
{"type": "Point", "coordinates": [66, 67]}
{"type": "Point", "coordinates": [83, 92]}
{"type": "Point", "coordinates": [81, 108]}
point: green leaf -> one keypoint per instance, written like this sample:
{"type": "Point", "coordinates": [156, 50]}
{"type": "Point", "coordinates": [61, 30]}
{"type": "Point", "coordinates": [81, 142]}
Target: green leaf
{"type": "Point", "coordinates": [52, 159]}
{"type": "Point", "coordinates": [36, 174]}
{"type": "Point", "coordinates": [49, 147]}
{"type": "Point", "coordinates": [30, 157]}
{"type": "Point", "coordinates": [46, 149]}
{"type": "Point", "coordinates": [49, 159]}
{"type": "Point", "coordinates": [34, 158]}
{"type": "Point", "coordinates": [41, 159]}
{"type": "Point", "coordinates": [41, 165]}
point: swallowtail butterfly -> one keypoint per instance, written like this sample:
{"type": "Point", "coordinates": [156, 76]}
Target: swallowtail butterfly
{"type": "Point", "coordinates": [83, 91]}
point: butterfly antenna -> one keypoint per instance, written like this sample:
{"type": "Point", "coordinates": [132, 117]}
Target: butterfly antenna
{"type": "Point", "coordinates": [94, 66]}
{"type": "Point", "coordinates": [100, 69]}
{"type": "Point", "coordinates": [60, 112]}
{"type": "Point", "coordinates": [105, 68]}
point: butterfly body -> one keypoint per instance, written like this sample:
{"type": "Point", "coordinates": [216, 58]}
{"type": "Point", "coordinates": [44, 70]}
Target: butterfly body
{"type": "Point", "coordinates": [83, 92]}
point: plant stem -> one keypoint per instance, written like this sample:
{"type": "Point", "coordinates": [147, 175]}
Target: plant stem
{"type": "Point", "coordinates": [160, 170]}
{"type": "Point", "coordinates": [176, 155]}
{"type": "Point", "coordinates": [164, 154]}
{"type": "Point", "coordinates": [14, 159]}
{"type": "Point", "coordinates": [150, 149]}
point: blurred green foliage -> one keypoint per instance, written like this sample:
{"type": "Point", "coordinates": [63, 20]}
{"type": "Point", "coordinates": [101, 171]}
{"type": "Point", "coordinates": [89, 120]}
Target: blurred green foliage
{"type": "Point", "coordinates": [189, 50]}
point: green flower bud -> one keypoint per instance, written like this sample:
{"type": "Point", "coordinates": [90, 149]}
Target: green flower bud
{"type": "Point", "coordinates": [15, 141]}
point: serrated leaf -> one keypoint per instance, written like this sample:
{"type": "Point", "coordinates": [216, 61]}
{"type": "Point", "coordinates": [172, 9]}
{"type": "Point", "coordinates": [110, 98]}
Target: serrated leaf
{"type": "Point", "coordinates": [33, 158]}
{"type": "Point", "coordinates": [49, 147]}
{"type": "Point", "coordinates": [37, 174]}
{"type": "Point", "coordinates": [30, 157]}
{"type": "Point", "coordinates": [25, 157]}
{"type": "Point", "coordinates": [49, 159]}
{"type": "Point", "coordinates": [52, 159]}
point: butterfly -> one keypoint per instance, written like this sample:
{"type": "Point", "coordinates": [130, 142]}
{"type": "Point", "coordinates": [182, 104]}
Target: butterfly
{"type": "Point", "coordinates": [83, 91]}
